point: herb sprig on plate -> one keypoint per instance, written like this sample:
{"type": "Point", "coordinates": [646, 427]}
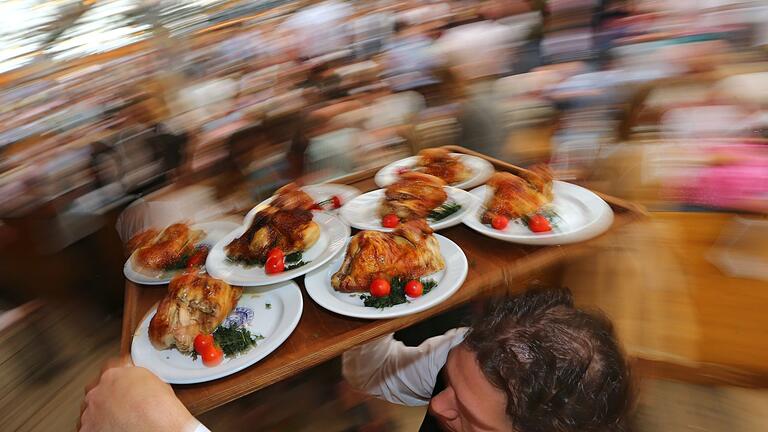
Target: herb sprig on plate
{"type": "Point", "coordinates": [245, 262]}
{"type": "Point", "coordinates": [183, 261]}
{"type": "Point", "coordinates": [446, 209]}
{"type": "Point", "coordinates": [294, 261]}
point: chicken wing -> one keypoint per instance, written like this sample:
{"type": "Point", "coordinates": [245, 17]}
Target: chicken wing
{"type": "Point", "coordinates": [442, 164]}
{"type": "Point", "coordinates": [514, 196]}
{"type": "Point", "coordinates": [165, 249]}
{"type": "Point", "coordinates": [410, 252]}
{"type": "Point", "coordinates": [286, 223]}
{"type": "Point", "coordinates": [413, 196]}
{"type": "Point", "coordinates": [194, 304]}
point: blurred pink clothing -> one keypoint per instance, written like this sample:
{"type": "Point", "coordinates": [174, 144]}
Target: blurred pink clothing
{"type": "Point", "coordinates": [737, 181]}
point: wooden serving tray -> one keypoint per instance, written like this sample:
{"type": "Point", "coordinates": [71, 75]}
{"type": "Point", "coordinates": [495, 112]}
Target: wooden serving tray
{"type": "Point", "coordinates": [322, 335]}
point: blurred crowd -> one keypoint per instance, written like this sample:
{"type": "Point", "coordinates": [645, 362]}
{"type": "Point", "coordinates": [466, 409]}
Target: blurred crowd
{"type": "Point", "coordinates": [660, 101]}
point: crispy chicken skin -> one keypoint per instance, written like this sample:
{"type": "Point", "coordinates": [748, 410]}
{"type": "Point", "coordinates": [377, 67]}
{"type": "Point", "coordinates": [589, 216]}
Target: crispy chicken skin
{"type": "Point", "coordinates": [411, 251]}
{"type": "Point", "coordinates": [540, 178]}
{"type": "Point", "coordinates": [194, 304]}
{"type": "Point", "coordinates": [440, 163]}
{"type": "Point", "coordinates": [413, 196]}
{"type": "Point", "coordinates": [285, 223]}
{"type": "Point", "coordinates": [166, 248]}
{"type": "Point", "coordinates": [141, 239]}
{"type": "Point", "coordinates": [515, 196]}
{"type": "Point", "coordinates": [290, 197]}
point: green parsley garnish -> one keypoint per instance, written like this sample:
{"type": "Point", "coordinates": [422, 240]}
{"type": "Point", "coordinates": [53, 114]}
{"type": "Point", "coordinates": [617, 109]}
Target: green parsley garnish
{"type": "Point", "coordinates": [294, 261]}
{"type": "Point", "coordinates": [245, 262]}
{"type": "Point", "coordinates": [296, 256]}
{"type": "Point", "coordinates": [397, 295]}
{"type": "Point", "coordinates": [446, 209]}
{"type": "Point", "coordinates": [268, 305]}
{"type": "Point", "coordinates": [235, 340]}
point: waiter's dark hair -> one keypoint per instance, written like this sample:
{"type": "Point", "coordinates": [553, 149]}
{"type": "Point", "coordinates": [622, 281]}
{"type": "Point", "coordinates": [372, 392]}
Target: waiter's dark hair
{"type": "Point", "coordinates": [561, 367]}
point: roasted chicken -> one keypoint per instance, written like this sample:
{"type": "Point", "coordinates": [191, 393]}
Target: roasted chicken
{"type": "Point", "coordinates": [194, 304]}
{"type": "Point", "coordinates": [539, 177]}
{"type": "Point", "coordinates": [164, 250]}
{"type": "Point", "coordinates": [141, 239]}
{"type": "Point", "coordinates": [442, 164]}
{"type": "Point", "coordinates": [514, 196]}
{"type": "Point", "coordinates": [285, 223]}
{"type": "Point", "coordinates": [413, 196]}
{"type": "Point", "coordinates": [410, 252]}
{"type": "Point", "coordinates": [290, 197]}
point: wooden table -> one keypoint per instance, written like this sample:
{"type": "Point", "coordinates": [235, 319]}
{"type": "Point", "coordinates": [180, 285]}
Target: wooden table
{"type": "Point", "coordinates": [322, 335]}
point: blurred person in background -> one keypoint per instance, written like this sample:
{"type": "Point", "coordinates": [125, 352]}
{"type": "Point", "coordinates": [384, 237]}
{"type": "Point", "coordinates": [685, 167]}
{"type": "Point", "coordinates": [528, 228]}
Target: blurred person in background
{"type": "Point", "coordinates": [478, 53]}
{"type": "Point", "coordinates": [319, 29]}
{"type": "Point", "coordinates": [146, 150]}
{"type": "Point", "coordinates": [409, 59]}
{"type": "Point", "coordinates": [371, 29]}
{"type": "Point", "coordinates": [534, 362]}
{"type": "Point", "coordinates": [242, 48]}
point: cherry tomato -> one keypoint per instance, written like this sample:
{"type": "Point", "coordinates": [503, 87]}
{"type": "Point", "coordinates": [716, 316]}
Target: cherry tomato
{"type": "Point", "coordinates": [316, 206]}
{"type": "Point", "coordinates": [380, 288]}
{"type": "Point", "coordinates": [499, 222]}
{"type": "Point", "coordinates": [538, 223]}
{"type": "Point", "coordinates": [336, 201]}
{"type": "Point", "coordinates": [390, 221]}
{"type": "Point", "coordinates": [414, 288]}
{"type": "Point", "coordinates": [276, 253]}
{"type": "Point", "coordinates": [274, 265]}
{"type": "Point", "coordinates": [203, 342]}
{"type": "Point", "coordinates": [198, 258]}
{"type": "Point", "coordinates": [212, 356]}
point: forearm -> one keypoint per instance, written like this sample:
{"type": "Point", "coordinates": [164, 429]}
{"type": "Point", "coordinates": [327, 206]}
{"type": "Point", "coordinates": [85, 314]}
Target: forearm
{"type": "Point", "coordinates": [199, 427]}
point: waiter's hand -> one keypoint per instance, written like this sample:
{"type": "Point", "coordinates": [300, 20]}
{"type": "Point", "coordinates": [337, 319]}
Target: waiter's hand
{"type": "Point", "coordinates": [127, 398]}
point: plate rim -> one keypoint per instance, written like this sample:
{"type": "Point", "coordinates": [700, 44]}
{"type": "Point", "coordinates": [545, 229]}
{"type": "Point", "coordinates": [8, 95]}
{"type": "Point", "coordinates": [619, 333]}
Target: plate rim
{"type": "Point", "coordinates": [436, 226]}
{"type": "Point", "coordinates": [470, 183]}
{"type": "Point", "coordinates": [287, 288]}
{"type": "Point", "coordinates": [374, 313]}
{"type": "Point", "coordinates": [291, 274]}
{"type": "Point", "coordinates": [592, 229]}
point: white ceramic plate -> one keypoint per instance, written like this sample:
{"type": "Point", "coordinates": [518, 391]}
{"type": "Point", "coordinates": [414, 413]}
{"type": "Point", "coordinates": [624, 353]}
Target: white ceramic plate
{"type": "Point", "coordinates": [449, 280]}
{"type": "Point", "coordinates": [363, 211]}
{"type": "Point", "coordinates": [275, 323]}
{"type": "Point", "coordinates": [214, 231]}
{"type": "Point", "coordinates": [319, 192]}
{"type": "Point", "coordinates": [582, 215]}
{"type": "Point", "coordinates": [481, 170]}
{"type": "Point", "coordinates": [333, 234]}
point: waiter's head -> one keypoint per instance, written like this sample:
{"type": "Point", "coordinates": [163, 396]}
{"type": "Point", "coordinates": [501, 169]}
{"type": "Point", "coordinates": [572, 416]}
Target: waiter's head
{"type": "Point", "coordinates": [536, 363]}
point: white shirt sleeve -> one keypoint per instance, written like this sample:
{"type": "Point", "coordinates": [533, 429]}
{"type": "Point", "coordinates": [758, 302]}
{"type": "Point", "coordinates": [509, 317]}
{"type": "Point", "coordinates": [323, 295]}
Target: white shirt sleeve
{"type": "Point", "coordinates": [201, 428]}
{"type": "Point", "coordinates": [387, 369]}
